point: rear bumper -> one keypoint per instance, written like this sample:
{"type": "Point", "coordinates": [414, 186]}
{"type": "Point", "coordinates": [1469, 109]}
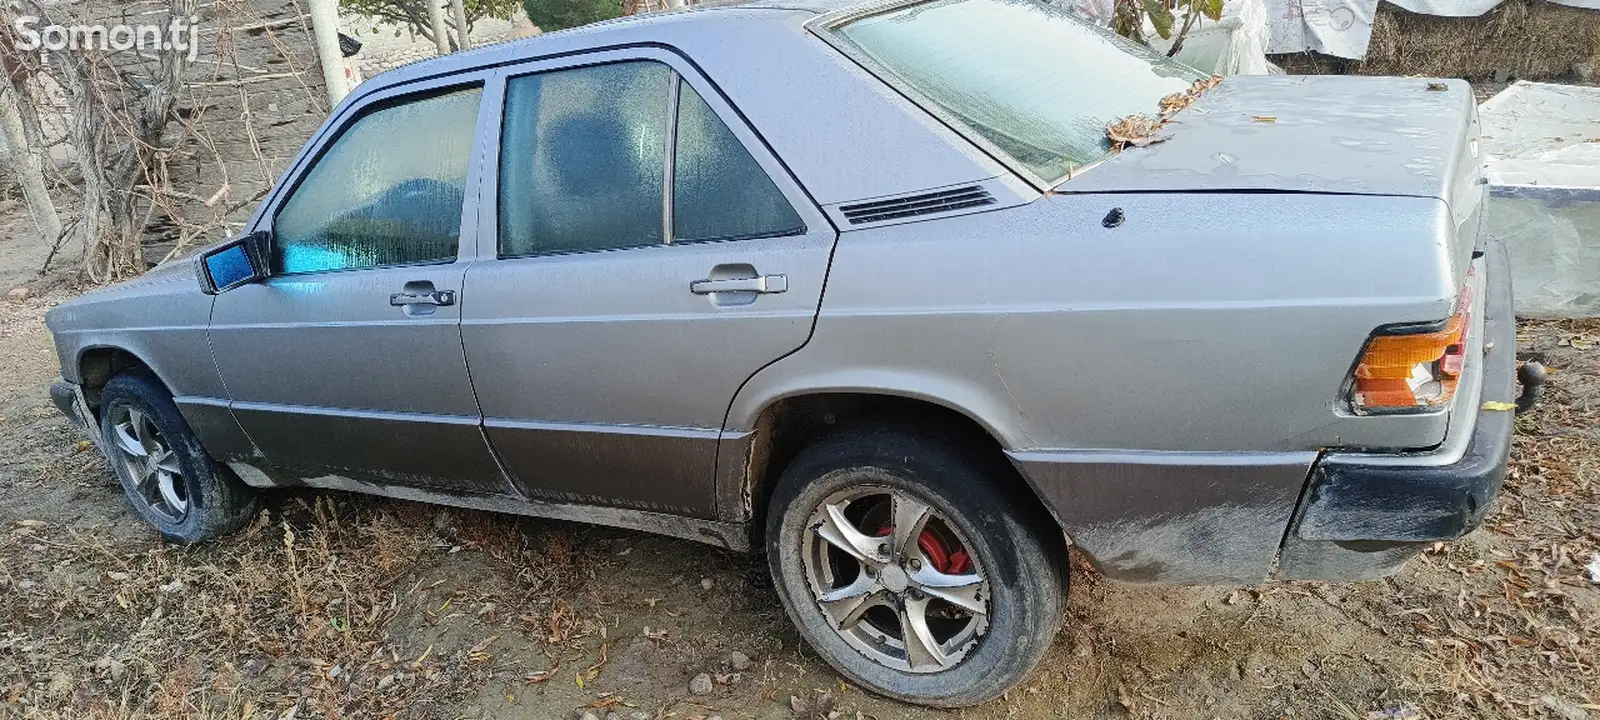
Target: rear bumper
{"type": "Point", "coordinates": [1365, 514]}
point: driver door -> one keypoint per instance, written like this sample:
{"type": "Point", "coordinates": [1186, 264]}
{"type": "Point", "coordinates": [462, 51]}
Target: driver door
{"type": "Point", "coordinates": [347, 360]}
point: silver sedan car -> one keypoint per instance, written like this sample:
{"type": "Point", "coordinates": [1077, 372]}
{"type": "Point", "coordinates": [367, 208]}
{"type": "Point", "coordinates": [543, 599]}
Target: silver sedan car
{"type": "Point", "coordinates": [862, 287]}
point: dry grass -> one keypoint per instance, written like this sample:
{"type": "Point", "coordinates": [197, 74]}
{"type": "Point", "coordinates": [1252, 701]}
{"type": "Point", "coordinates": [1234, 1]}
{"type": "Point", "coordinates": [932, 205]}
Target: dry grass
{"type": "Point", "coordinates": [312, 609]}
{"type": "Point", "coordinates": [1520, 633]}
{"type": "Point", "coordinates": [1529, 39]}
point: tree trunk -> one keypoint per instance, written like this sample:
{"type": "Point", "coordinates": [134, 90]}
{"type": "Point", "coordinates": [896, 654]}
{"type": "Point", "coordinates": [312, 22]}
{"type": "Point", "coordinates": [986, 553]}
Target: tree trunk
{"type": "Point", "coordinates": [441, 36]}
{"type": "Point", "coordinates": [119, 129]}
{"type": "Point", "coordinates": [463, 28]}
{"type": "Point", "coordinates": [21, 158]}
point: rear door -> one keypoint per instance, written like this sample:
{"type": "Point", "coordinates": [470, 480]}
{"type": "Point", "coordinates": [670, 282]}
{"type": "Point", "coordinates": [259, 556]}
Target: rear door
{"type": "Point", "coordinates": [649, 255]}
{"type": "Point", "coordinates": [347, 360]}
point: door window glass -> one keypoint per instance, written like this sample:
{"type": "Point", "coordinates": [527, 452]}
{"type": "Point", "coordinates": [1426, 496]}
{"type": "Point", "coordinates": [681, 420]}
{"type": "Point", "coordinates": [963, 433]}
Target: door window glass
{"type": "Point", "coordinates": [719, 191]}
{"type": "Point", "coordinates": [387, 192]}
{"type": "Point", "coordinates": [583, 159]}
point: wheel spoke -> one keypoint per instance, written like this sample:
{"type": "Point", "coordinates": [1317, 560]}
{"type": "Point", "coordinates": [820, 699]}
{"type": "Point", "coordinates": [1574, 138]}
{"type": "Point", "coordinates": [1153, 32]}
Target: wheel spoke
{"type": "Point", "coordinates": [922, 650]}
{"type": "Point", "coordinates": [963, 591]}
{"type": "Point", "coordinates": [910, 517]}
{"type": "Point", "coordinates": [848, 604]}
{"type": "Point", "coordinates": [841, 533]}
{"type": "Point", "coordinates": [141, 429]}
{"type": "Point", "coordinates": [167, 461]}
{"type": "Point", "coordinates": [127, 441]}
{"type": "Point", "coordinates": [167, 484]}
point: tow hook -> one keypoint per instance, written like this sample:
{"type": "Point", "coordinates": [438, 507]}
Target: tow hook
{"type": "Point", "coordinates": [1532, 376]}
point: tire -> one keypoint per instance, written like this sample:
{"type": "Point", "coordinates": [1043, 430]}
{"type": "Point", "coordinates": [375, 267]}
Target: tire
{"type": "Point", "coordinates": [1011, 545]}
{"type": "Point", "coordinates": [175, 486]}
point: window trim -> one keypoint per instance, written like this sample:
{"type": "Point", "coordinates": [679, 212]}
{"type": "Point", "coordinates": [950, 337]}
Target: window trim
{"type": "Point", "coordinates": [683, 72]}
{"type": "Point", "coordinates": [353, 112]}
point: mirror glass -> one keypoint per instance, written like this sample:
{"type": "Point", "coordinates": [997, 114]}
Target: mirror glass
{"type": "Point", "coordinates": [229, 266]}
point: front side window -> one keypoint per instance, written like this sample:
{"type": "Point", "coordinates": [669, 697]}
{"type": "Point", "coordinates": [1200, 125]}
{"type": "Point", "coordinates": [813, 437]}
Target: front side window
{"type": "Point", "coordinates": [583, 159]}
{"type": "Point", "coordinates": [388, 191]}
{"type": "Point", "coordinates": [1037, 84]}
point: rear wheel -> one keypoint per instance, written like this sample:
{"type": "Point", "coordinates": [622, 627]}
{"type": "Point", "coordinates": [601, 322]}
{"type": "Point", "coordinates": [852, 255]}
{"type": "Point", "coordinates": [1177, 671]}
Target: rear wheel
{"type": "Point", "coordinates": [171, 481]}
{"type": "Point", "coordinates": [910, 571]}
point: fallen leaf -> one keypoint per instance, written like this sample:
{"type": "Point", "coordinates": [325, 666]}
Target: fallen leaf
{"type": "Point", "coordinates": [1264, 118]}
{"type": "Point", "coordinates": [1135, 130]}
{"type": "Point", "coordinates": [1497, 406]}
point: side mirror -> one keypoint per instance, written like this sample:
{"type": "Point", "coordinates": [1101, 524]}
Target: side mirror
{"type": "Point", "coordinates": [234, 263]}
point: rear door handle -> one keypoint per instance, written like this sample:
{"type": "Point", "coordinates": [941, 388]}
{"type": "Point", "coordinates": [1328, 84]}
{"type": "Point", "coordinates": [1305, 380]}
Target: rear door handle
{"type": "Point", "coordinates": [764, 285]}
{"type": "Point", "coordinates": [436, 298]}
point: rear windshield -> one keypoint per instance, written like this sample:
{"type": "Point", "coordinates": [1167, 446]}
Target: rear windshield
{"type": "Point", "coordinates": [1038, 84]}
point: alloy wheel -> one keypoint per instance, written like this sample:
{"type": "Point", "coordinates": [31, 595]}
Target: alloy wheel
{"type": "Point", "coordinates": [896, 580]}
{"type": "Point", "coordinates": [149, 463]}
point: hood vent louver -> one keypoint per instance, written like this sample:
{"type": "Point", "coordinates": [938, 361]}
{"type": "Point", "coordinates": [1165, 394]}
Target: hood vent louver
{"type": "Point", "coordinates": [912, 205]}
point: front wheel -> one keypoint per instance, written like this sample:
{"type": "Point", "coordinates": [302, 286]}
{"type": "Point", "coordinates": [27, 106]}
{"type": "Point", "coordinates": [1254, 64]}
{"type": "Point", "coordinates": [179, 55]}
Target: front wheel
{"type": "Point", "coordinates": [909, 569]}
{"type": "Point", "coordinates": [171, 481]}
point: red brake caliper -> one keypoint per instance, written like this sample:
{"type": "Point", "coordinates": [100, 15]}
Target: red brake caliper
{"type": "Point", "coordinates": [943, 560]}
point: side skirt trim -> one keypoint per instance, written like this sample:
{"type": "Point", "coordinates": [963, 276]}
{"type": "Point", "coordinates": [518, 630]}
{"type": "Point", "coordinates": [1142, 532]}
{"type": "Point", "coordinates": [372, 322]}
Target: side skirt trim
{"type": "Point", "coordinates": [731, 536]}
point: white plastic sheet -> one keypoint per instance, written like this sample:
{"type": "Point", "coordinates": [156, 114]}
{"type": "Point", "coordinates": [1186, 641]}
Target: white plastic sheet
{"type": "Point", "coordinates": [1234, 45]}
{"type": "Point", "coordinates": [1541, 144]}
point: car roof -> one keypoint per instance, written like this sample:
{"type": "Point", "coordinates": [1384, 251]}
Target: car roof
{"type": "Point", "coordinates": [843, 135]}
{"type": "Point", "coordinates": [617, 31]}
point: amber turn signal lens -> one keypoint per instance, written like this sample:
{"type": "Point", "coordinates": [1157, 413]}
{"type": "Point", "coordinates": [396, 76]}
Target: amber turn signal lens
{"type": "Point", "coordinates": [1414, 370]}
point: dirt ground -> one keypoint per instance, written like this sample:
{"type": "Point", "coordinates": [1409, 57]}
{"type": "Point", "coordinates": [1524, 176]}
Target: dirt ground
{"type": "Point", "coordinates": [332, 605]}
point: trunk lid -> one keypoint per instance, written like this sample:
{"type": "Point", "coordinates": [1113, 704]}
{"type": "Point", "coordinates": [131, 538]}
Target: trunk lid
{"type": "Point", "coordinates": [1317, 134]}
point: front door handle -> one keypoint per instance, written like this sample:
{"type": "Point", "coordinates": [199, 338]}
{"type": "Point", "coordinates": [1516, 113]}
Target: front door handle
{"type": "Point", "coordinates": [436, 298]}
{"type": "Point", "coordinates": [764, 285]}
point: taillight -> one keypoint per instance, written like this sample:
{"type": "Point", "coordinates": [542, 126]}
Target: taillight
{"type": "Point", "coordinates": [1416, 370]}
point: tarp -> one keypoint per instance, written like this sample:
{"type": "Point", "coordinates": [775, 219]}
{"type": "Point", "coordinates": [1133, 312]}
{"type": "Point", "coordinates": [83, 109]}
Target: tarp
{"type": "Point", "coordinates": [1333, 27]}
{"type": "Point", "coordinates": [1343, 27]}
{"type": "Point", "coordinates": [1541, 146]}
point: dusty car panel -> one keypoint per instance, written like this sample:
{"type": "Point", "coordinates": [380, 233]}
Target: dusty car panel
{"type": "Point", "coordinates": [1363, 136]}
{"type": "Point", "coordinates": [583, 426]}
{"type": "Point", "coordinates": [1159, 346]}
{"type": "Point", "coordinates": [327, 373]}
{"type": "Point", "coordinates": [144, 317]}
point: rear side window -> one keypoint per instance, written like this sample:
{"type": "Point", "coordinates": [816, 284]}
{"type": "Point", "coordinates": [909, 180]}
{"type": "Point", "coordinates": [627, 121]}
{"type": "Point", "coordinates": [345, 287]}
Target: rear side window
{"type": "Point", "coordinates": [374, 199]}
{"type": "Point", "coordinates": [584, 164]}
{"type": "Point", "coordinates": [720, 193]}
{"type": "Point", "coordinates": [583, 159]}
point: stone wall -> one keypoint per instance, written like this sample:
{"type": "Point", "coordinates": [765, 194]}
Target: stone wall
{"type": "Point", "coordinates": [385, 46]}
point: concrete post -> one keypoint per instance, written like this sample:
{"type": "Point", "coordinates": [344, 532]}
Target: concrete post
{"type": "Point", "coordinates": [325, 26]}
{"type": "Point", "coordinates": [459, 9]}
{"type": "Point", "coordinates": [441, 34]}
